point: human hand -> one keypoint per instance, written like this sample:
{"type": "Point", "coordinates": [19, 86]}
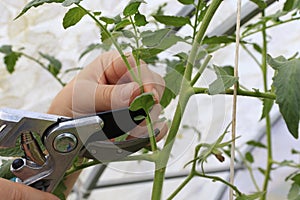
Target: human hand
{"type": "Point", "coordinates": [106, 84]}
{"type": "Point", "coordinates": [16, 191]}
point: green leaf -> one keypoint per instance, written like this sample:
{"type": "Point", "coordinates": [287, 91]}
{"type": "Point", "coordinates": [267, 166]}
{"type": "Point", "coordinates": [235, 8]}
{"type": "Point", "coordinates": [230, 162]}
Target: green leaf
{"type": "Point", "coordinates": [140, 20]}
{"type": "Point", "coordinates": [36, 3]}
{"type": "Point", "coordinates": [161, 39]}
{"type": "Point", "coordinates": [267, 106]}
{"type": "Point", "coordinates": [223, 81]}
{"type": "Point", "coordinates": [122, 24]}
{"type": "Point", "coordinates": [67, 3]}
{"type": "Point", "coordinates": [73, 16]}
{"type": "Point", "coordinates": [296, 179]}
{"type": "Point", "coordinates": [294, 151]}
{"type": "Point", "coordinates": [249, 157]}
{"type": "Point", "coordinates": [6, 49]}
{"type": "Point", "coordinates": [173, 81]}
{"type": "Point", "coordinates": [260, 3]}
{"type": "Point", "coordinates": [128, 34]}
{"type": "Point", "coordinates": [262, 171]}
{"type": "Point", "coordinates": [153, 38]}
{"type": "Point", "coordinates": [54, 66]}
{"type": "Point", "coordinates": [59, 190]}
{"type": "Point", "coordinates": [11, 57]}
{"type": "Point", "coordinates": [89, 48]}
{"type": "Point", "coordinates": [132, 7]}
{"type": "Point", "coordinates": [107, 20]}
{"type": "Point", "coordinates": [10, 60]}
{"type": "Point", "coordinates": [144, 101]}
{"type": "Point", "coordinates": [290, 5]}
{"type": "Point", "coordinates": [256, 144]}
{"type": "Point", "coordinates": [224, 39]}
{"type": "Point", "coordinates": [294, 192]}
{"type": "Point", "coordinates": [186, 2]}
{"type": "Point", "coordinates": [287, 86]}
{"type": "Point", "coordinates": [257, 48]}
{"type": "Point", "coordinates": [176, 21]}
{"type": "Point", "coordinates": [5, 169]}
{"type": "Point", "coordinates": [254, 196]}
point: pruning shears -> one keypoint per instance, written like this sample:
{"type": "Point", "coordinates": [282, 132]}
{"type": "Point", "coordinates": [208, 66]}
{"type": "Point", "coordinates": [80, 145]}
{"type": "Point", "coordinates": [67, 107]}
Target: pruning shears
{"type": "Point", "coordinates": [64, 139]}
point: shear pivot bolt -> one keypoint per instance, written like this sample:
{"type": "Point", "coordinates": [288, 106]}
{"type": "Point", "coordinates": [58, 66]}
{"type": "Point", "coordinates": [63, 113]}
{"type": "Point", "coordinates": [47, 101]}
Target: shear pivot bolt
{"type": "Point", "coordinates": [65, 143]}
{"type": "Point", "coordinates": [17, 163]}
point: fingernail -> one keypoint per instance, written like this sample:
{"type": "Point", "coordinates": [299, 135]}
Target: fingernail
{"type": "Point", "coordinates": [155, 95]}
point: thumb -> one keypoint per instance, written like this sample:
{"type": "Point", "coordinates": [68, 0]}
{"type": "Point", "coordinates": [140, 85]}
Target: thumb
{"type": "Point", "coordinates": [115, 96]}
{"type": "Point", "coordinates": [15, 191]}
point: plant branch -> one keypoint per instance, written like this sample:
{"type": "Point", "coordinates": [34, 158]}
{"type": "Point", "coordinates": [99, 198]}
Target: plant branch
{"type": "Point", "coordinates": [42, 65]}
{"type": "Point", "coordinates": [199, 36]}
{"type": "Point", "coordinates": [216, 178]}
{"type": "Point", "coordinates": [257, 94]}
{"type": "Point", "coordinates": [137, 55]}
{"type": "Point", "coordinates": [151, 133]}
{"type": "Point", "coordinates": [251, 54]}
{"type": "Point", "coordinates": [145, 157]}
{"type": "Point", "coordinates": [271, 26]}
{"type": "Point", "coordinates": [201, 69]}
{"type": "Point", "coordinates": [119, 49]}
{"type": "Point", "coordinates": [181, 186]}
{"type": "Point", "coordinates": [249, 170]}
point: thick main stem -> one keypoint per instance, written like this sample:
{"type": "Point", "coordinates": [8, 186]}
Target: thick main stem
{"type": "Point", "coordinates": [185, 93]}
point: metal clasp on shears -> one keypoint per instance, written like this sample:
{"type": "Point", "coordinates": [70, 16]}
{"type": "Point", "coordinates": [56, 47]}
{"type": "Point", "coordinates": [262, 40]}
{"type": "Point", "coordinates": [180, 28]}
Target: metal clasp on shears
{"type": "Point", "coordinates": [64, 139]}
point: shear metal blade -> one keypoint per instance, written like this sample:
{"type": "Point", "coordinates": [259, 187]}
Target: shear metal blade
{"type": "Point", "coordinates": [13, 122]}
{"type": "Point", "coordinates": [14, 115]}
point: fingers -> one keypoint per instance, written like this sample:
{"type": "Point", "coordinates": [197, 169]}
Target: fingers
{"type": "Point", "coordinates": [16, 191]}
{"type": "Point", "coordinates": [112, 69]}
{"type": "Point", "coordinates": [115, 96]}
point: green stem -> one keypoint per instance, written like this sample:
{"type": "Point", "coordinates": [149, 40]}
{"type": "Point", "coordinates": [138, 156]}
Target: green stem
{"type": "Point", "coordinates": [151, 133]}
{"type": "Point", "coordinates": [249, 168]}
{"type": "Point", "coordinates": [190, 176]}
{"type": "Point", "coordinates": [251, 54]}
{"type": "Point", "coordinates": [181, 186]}
{"type": "Point", "coordinates": [201, 69]}
{"type": "Point", "coordinates": [216, 178]}
{"type": "Point", "coordinates": [268, 119]}
{"type": "Point", "coordinates": [271, 26]}
{"type": "Point", "coordinates": [137, 55]}
{"type": "Point", "coordinates": [257, 94]}
{"type": "Point", "coordinates": [196, 19]}
{"type": "Point", "coordinates": [292, 165]}
{"type": "Point", "coordinates": [117, 46]}
{"type": "Point", "coordinates": [42, 65]}
{"type": "Point", "coordinates": [185, 93]}
{"type": "Point", "coordinates": [199, 36]}
{"type": "Point", "coordinates": [145, 157]}
{"type": "Point", "coordinates": [160, 164]}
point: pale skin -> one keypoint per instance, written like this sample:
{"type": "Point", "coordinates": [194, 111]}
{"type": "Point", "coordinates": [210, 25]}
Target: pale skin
{"type": "Point", "coordinates": [102, 85]}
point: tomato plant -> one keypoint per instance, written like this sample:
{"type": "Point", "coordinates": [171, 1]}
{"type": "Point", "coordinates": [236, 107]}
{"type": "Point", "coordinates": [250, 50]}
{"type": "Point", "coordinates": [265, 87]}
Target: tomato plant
{"type": "Point", "coordinates": [147, 37]}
